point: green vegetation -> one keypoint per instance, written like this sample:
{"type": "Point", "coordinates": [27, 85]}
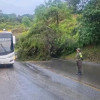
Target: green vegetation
{"type": "Point", "coordinates": [57, 29]}
{"type": "Point", "coordinates": [90, 24]}
{"type": "Point", "coordinates": [17, 24]}
{"type": "Point", "coordinates": [90, 53]}
{"type": "Point", "coordinates": [52, 33]}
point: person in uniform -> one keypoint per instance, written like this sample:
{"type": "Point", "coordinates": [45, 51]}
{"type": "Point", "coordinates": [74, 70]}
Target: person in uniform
{"type": "Point", "coordinates": [79, 59]}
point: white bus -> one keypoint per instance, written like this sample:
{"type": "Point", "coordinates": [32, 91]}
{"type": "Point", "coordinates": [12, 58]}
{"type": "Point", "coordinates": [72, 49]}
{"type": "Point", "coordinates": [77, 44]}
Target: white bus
{"type": "Point", "coordinates": [7, 55]}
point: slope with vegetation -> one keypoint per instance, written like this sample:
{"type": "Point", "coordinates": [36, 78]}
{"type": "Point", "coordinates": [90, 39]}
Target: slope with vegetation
{"type": "Point", "coordinates": [89, 32]}
{"type": "Point", "coordinates": [52, 33]}
{"type": "Point", "coordinates": [14, 23]}
{"type": "Point", "coordinates": [56, 29]}
{"type": "Point", "coordinates": [59, 28]}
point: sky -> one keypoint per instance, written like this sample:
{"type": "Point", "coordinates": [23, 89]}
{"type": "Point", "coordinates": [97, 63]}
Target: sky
{"type": "Point", "coordinates": [19, 7]}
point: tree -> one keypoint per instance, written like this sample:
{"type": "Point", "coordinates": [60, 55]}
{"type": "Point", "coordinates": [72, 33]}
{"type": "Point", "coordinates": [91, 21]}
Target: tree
{"type": "Point", "coordinates": [73, 4]}
{"type": "Point", "coordinates": [90, 24]}
{"type": "Point", "coordinates": [52, 11]}
{"type": "Point", "coordinates": [81, 5]}
{"type": "Point", "coordinates": [77, 5]}
{"type": "Point", "coordinates": [51, 33]}
{"type": "Point", "coordinates": [26, 21]}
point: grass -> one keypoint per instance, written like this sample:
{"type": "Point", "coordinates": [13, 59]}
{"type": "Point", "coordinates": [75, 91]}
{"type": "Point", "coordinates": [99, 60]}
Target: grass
{"type": "Point", "coordinates": [90, 53]}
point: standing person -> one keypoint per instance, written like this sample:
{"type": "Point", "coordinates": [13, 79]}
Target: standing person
{"type": "Point", "coordinates": [79, 59]}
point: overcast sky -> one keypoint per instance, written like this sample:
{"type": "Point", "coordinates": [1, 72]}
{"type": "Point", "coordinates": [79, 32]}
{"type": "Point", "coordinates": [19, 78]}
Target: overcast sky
{"type": "Point", "coordinates": [19, 6]}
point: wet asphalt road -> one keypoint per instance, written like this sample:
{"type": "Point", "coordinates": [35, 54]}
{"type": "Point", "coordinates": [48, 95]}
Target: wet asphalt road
{"type": "Point", "coordinates": [90, 76]}
{"type": "Point", "coordinates": [27, 81]}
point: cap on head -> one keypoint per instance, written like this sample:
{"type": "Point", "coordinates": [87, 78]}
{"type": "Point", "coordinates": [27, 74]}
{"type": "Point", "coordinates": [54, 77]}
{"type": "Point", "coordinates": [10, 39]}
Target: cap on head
{"type": "Point", "coordinates": [78, 49]}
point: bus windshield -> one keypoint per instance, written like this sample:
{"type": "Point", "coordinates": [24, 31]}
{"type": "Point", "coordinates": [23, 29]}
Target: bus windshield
{"type": "Point", "coordinates": [6, 43]}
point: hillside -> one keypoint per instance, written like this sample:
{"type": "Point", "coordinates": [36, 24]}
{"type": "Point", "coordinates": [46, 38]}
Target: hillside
{"type": "Point", "coordinates": [91, 54]}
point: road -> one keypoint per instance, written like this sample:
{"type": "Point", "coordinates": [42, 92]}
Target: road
{"type": "Point", "coordinates": [26, 81]}
{"type": "Point", "coordinates": [91, 71]}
